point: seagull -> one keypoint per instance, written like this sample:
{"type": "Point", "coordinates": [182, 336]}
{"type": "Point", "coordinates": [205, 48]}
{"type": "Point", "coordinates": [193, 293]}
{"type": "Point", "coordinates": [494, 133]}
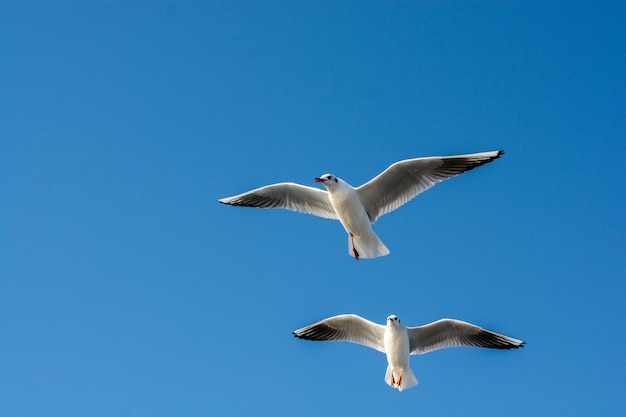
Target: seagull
{"type": "Point", "coordinates": [398, 341]}
{"type": "Point", "coordinates": [357, 208]}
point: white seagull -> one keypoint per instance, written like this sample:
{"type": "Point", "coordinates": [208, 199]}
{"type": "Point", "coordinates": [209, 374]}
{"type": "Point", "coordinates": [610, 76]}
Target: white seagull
{"type": "Point", "coordinates": [398, 341]}
{"type": "Point", "coordinates": [357, 208]}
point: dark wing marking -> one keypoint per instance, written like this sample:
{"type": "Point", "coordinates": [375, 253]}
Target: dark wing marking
{"type": "Point", "coordinates": [286, 195]}
{"type": "Point", "coordinates": [447, 333]}
{"type": "Point", "coordinates": [404, 180]}
{"type": "Point", "coordinates": [346, 327]}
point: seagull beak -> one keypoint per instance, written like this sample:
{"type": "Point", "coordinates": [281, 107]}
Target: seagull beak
{"type": "Point", "coordinates": [319, 180]}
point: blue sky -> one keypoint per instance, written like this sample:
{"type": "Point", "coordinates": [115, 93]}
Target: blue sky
{"type": "Point", "coordinates": [127, 290]}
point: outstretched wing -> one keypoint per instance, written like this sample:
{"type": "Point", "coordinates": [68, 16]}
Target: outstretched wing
{"type": "Point", "coordinates": [404, 180]}
{"type": "Point", "coordinates": [347, 327]}
{"type": "Point", "coordinates": [447, 333]}
{"type": "Point", "coordinates": [286, 195]}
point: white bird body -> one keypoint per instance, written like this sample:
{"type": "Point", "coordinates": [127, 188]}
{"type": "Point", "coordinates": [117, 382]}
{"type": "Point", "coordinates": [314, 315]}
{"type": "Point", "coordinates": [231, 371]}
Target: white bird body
{"type": "Point", "coordinates": [363, 242]}
{"type": "Point", "coordinates": [399, 374]}
{"type": "Point", "coordinates": [357, 208]}
{"type": "Point", "coordinates": [398, 342]}
{"type": "Point", "coordinates": [346, 203]}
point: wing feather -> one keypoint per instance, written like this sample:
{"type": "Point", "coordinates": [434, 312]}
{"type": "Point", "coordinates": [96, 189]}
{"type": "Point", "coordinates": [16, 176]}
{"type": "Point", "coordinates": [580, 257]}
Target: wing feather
{"type": "Point", "coordinates": [404, 180]}
{"type": "Point", "coordinates": [346, 327]}
{"type": "Point", "coordinates": [286, 195]}
{"type": "Point", "coordinates": [447, 333]}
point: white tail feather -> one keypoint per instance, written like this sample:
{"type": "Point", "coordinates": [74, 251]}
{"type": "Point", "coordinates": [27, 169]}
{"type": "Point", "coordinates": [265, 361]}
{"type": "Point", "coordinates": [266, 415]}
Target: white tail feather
{"type": "Point", "coordinates": [367, 245]}
{"type": "Point", "coordinates": [404, 375]}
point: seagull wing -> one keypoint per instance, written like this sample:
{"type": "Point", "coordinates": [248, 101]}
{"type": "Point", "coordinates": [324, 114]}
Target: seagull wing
{"type": "Point", "coordinates": [447, 333]}
{"type": "Point", "coordinates": [347, 327]}
{"type": "Point", "coordinates": [404, 180]}
{"type": "Point", "coordinates": [286, 195]}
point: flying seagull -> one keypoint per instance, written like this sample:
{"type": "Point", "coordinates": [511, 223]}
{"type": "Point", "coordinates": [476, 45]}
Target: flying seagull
{"type": "Point", "coordinates": [357, 208]}
{"type": "Point", "coordinates": [398, 341]}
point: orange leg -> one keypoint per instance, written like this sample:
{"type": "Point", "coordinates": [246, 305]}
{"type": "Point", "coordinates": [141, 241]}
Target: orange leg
{"type": "Point", "coordinates": [395, 383]}
{"type": "Point", "coordinates": [356, 254]}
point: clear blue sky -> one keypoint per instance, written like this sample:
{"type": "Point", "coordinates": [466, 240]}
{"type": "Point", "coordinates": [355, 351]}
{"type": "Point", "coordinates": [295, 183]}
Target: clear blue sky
{"type": "Point", "coordinates": [127, 290]}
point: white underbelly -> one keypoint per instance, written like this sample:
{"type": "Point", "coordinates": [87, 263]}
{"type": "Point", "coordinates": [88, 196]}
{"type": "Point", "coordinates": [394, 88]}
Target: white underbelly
{"type": "Point", "coordinates": [397, 349]}
{"type": "Point", "coordinates": [352, 216]}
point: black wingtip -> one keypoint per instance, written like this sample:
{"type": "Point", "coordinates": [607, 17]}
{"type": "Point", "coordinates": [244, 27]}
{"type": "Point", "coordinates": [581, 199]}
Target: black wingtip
{"type": "Point", "coordinates": [302, 336]}
{"type": "Point", "coordinates": [521, 345]}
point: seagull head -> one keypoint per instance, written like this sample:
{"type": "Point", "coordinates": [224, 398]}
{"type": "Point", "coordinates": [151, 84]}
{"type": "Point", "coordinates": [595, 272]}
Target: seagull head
{"type": "Point", "coordinates": [327, 180]}
{"type": "Point", "coordinates": [393, 320]}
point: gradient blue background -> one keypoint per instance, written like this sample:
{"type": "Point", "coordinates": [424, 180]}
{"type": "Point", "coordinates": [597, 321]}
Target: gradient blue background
{"type": "Point", "coordinates": [127, 290]}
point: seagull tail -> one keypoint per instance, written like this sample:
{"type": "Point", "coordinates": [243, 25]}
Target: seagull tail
{"type": "Point", "coordinates": [368, 245]}
{"type": "Point", "coordinates": [401, 378]}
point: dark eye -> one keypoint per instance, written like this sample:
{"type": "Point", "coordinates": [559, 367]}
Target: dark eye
{"type": "Point", "coordinates": [335, 179]}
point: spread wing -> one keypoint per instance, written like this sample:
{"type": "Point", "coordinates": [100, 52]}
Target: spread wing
{"type": "Point", "coordinates": [347, 327]}
{"type": "Point", "coordinates": [404, 180]}
{"type": "Point", "coordinates": [447, 333]}
{"type": "Point", "coordinates": [286, 195]}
